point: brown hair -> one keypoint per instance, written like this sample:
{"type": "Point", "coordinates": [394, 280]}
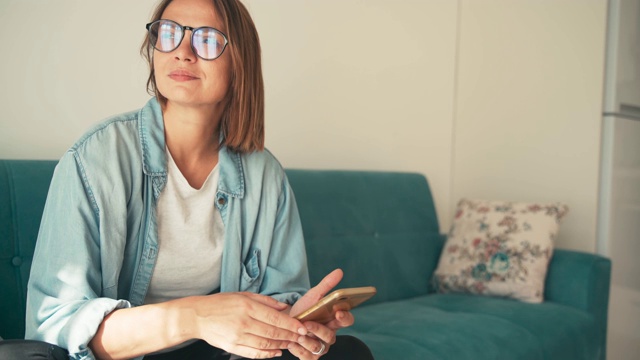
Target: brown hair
{"type": "Point", "coordinates": [242, 122]}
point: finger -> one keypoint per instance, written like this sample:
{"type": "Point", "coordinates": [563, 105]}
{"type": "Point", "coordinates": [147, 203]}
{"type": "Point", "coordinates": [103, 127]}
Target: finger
{"type": "Point", "coordinates": [267, 331]}
{"type": "Point", "coordinates": [312, 345]}
{"type": "Point", "coordinates": [316, 293]}
{"type": "Point", "coordinates": [325, 285]}
{"type": "Point", "coordinates": [262, 343]}
{"type": "Point", "coordinates": [321, 332]}
{"type": "Point", "coordinates": [252, 353]}
{"type": "Point", "coordinates": [301, 353]}
{"type": "Point", "coordinates": [270, 316]}
{"type": "Point", "coordinates": [342, 319]}
{"type": "Point", "coordinates": [267, 300]}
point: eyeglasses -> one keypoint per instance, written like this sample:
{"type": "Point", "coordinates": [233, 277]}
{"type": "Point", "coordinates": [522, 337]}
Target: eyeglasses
{"type": "Point", "coordinates": [206, 42]}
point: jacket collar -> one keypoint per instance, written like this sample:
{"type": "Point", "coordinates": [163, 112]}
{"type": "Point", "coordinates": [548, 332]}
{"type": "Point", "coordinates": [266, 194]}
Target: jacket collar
{"type": "Point", "coordinates": [151, 132]}
{"type": "Point", "coordinates": [154, 160]}
{"type": "Point", "coordinates": [231, 172]}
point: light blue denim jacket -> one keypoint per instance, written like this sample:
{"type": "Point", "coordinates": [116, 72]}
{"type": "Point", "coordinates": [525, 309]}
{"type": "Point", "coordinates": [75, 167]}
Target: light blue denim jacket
{"type": "Point", "coordinates": [98, 239]}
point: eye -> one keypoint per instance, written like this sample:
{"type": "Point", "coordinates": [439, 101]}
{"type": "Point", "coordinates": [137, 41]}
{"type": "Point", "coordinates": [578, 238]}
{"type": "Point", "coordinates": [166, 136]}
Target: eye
{"type": "Point", "coordinates": [167, 35]}
{"type": "Point", "coordinates": [210, 41]}
{"type": "Point", "coordinates": [207, 36]}
{"type": "Point", "coordinates": [169, 31]}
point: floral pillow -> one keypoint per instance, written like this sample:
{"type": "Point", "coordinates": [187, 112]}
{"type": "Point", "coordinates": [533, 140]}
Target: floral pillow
{"type": "Point", "coordinates": [499, 248]}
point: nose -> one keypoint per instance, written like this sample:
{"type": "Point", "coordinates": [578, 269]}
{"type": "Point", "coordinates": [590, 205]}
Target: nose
{"type": "Point", "coordinates": [184, 51]}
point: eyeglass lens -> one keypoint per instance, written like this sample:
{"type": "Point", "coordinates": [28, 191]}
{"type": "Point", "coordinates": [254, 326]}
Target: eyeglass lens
{"type": "Point", "coordinates": [207, 42]}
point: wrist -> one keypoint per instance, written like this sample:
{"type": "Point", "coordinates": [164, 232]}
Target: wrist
{"type": "Point", "coordinates": [181, 320]}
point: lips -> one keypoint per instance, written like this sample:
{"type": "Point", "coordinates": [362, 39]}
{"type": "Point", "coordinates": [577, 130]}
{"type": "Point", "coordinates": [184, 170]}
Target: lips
{"type": "Point", "coordinates": [182, 75]}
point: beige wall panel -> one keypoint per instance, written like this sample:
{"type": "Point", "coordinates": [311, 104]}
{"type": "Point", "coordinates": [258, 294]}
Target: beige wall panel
{"type": "Point", "coordinates": [354, 84]}
{"type": "Point", "coordinates": [66, 65]}
{"type": "Point", "coordinates": [529, 99]}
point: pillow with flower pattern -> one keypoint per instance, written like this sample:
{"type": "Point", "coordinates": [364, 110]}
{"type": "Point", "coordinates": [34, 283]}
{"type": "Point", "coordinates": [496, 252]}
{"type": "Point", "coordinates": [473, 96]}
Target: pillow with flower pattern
{"type": "Point", "coordinates": [499, 248]}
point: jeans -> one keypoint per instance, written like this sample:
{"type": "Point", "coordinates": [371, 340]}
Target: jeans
{"type": "Point", "coordinates": [346, 347]}
{"type": "Point", "coordinates": [31, 349]}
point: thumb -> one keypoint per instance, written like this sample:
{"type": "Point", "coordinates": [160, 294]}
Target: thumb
{"type": "Point", "coordinates": [325, 285]}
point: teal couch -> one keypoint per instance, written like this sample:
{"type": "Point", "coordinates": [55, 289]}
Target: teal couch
{"type": "Point", "coordinates": [382, 229]}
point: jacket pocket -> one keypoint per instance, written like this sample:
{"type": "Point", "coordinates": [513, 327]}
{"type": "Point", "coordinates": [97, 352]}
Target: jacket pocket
{"type": "Point", "coordinates": [251, 272]}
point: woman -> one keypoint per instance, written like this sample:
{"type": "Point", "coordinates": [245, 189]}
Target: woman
{"type": "Point", "coordinates": [170, 232]}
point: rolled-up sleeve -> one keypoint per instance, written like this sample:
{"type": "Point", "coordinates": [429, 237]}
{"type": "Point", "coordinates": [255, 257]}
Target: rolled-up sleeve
{"type": "Point", "coordinates": [64, 303]}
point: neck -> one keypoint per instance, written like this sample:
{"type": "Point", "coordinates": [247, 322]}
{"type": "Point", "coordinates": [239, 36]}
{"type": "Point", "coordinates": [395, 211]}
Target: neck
{"type": "Point", "coordinates": [192, 133]}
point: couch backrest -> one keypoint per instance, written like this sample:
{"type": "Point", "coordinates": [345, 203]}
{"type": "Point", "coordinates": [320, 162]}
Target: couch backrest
{"type": "Point", "coordinates": [381, 228]}
{"type": "Point", "coordinates": [23, 191]}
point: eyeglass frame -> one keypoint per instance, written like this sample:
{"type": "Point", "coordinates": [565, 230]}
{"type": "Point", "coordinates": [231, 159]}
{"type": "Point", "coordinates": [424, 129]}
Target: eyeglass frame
{"type": "Point", "coordinates": [193, 30]}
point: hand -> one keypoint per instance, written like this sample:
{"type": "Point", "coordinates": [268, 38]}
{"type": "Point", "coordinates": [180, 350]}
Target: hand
{"type": "Point", "coordinates": [246, 324]}
{"type": "Point", "coordinates": [319, 333]}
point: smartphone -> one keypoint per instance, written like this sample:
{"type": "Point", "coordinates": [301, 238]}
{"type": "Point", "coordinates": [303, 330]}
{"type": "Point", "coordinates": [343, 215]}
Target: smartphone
{"type": "Point", "coordinates": [339, 300]}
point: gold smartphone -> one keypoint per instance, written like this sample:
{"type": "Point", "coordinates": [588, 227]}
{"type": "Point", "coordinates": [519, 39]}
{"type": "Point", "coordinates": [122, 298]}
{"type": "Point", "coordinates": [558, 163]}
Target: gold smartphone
{"type": "Point", "coordinates": [339, 300]}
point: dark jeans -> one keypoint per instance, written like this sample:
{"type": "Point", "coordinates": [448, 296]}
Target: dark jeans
{"type": "Point", "coordinates": [31, 349]}
{"type": "Point", "coordinates": [346, 347]}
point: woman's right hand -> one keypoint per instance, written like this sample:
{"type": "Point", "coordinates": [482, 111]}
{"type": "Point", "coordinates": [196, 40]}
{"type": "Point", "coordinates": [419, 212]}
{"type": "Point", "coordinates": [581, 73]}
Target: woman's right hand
{"type": "Point", "coordinates": [245, 324]}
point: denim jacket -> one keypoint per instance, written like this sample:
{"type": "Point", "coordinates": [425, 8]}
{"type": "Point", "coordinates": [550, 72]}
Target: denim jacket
{"type": "Point", "coordinates": [98, 238]}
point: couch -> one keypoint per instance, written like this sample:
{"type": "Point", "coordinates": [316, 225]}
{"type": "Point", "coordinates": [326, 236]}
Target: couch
{"type": "Point", "coordinates": [381, 228]}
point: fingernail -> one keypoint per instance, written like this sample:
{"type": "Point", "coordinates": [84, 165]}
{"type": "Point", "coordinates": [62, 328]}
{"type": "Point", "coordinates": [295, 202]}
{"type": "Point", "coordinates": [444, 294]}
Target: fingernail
{"type": "Point", "coordinates": [278, 354]}
{"type": "Point", "coordinates": [302, 331]}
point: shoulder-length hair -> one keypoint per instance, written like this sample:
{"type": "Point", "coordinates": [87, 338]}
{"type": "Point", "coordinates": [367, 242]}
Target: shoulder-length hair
{"type": "Point", "coordinates": [242, 122]}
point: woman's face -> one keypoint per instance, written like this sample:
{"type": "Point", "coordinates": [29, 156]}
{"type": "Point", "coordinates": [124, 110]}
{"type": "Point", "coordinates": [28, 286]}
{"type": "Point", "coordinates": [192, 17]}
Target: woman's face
{"type": "Point", "coordinates": [181, 76]}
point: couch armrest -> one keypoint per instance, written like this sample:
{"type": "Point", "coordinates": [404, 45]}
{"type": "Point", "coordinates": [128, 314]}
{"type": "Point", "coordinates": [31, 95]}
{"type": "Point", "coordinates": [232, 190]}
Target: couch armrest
{"type": "Point", "coordinates": [582, 281]}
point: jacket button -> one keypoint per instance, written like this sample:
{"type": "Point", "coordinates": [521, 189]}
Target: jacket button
{"type": "Point", "coordinates": [221, 201]}
{"type": "Point", "coordinates": [16, 261]}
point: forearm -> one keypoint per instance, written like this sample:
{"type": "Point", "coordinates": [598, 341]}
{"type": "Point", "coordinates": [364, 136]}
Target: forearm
{"type": "Point", "coordinates": [128, 333]}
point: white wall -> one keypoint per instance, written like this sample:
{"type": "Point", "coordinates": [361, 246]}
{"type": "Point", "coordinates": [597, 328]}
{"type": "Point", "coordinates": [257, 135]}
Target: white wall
{"type": "Point", "coordinates": [529, 104]}
{"type": "Point", "coordinates": [355, 84]}
{"type": "Point", "coordinates": [492, 98]}
{"type": "Point", "coordinates": [66, 65]}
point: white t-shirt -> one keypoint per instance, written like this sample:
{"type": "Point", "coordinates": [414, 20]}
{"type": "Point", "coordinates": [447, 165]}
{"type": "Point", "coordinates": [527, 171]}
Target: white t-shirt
{"type": "Point", "coordinates": [190, 238]}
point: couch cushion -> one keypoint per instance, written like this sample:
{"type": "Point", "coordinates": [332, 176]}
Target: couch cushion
{"type": "Point", "coordinates": [458, 326]}
{"type": "Point", "coordinates": [396, 264]}
{"type": "Point", "coordinates": [23, 191]}
{"type": "Point", "coordinates": [381, 228]}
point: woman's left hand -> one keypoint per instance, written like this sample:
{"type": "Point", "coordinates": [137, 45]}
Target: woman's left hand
{"type": "Point", "coordinates": [320, 338]}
